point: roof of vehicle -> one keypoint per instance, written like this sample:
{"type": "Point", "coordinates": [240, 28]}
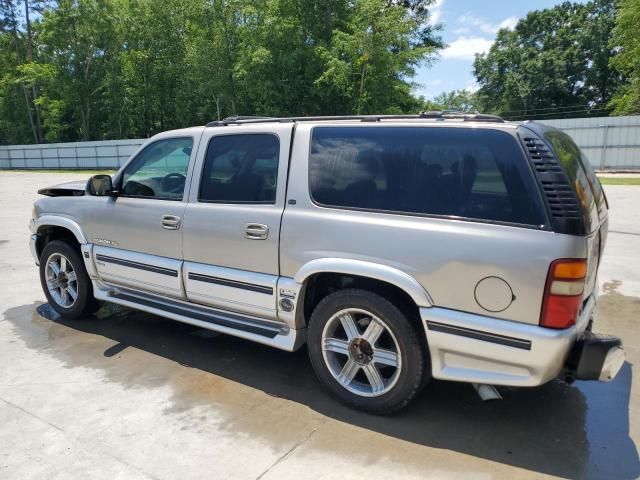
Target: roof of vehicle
{"type": "Point", "coordinates": [432, 116]}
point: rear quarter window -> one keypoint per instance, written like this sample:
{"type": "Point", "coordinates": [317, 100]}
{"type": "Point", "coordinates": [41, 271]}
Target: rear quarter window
{"type": "Point", "coordinates": [462, 172]}
{"type": "Point", "coordinates": [578, 168]}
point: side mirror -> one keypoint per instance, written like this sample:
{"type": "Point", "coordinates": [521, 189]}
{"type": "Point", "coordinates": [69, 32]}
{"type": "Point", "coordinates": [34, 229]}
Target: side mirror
{"type": "Point", "coordinates": [100, 186]}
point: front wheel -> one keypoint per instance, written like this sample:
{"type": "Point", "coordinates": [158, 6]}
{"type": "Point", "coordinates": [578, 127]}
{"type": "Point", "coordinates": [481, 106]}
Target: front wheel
{"type": "Point", "coordinates": [65, 281]}
{"type": "Point", "coordinates": [365, 350]}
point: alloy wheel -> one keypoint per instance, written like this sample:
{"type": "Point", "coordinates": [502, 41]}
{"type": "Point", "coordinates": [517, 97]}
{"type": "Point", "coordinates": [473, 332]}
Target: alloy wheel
{"type": "Point", "coordinates": [361, 352]}
{"type": "Point", "coordinates": [62, 281]}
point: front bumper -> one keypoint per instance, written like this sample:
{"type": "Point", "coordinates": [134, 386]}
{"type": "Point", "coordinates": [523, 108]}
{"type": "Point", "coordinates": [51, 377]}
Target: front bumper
{"type": "Point", "coordinates": [32, 247]}
{"type": "Point", "coordinates": [473, 348]}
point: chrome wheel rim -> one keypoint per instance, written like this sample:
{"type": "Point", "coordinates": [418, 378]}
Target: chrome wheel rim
{"type": "Point", "coordinates": [361, 352]}
{"type": "Point", "coordinates": [62, 281]}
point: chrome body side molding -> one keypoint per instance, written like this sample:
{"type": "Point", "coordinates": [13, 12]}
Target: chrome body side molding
{"type": "Point", "coordinates": [267, 332]}
{"type": "Point", "coordinates": [141, 271]}
{"type": "Point", "coordinates": [249, 293]}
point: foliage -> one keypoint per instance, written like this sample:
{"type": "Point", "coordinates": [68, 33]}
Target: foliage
{"type": "Point", "coordinates": [101, 69]}
{"type": "Point", "coordinates": [626, 40]}
{"type": "Point", "coordinates": [554, 63]}
{"type": "Point", "coordinates": [460, 100]}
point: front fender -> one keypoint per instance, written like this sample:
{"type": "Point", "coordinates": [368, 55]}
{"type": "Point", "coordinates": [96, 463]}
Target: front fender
{"type": "Point", "coordinates": [361, 268]}
{"type": "Point", "coordinates": [60, 221]}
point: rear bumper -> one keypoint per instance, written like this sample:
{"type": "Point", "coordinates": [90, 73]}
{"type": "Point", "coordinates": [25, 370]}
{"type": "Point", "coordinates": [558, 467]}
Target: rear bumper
{"type": "Point", "coordinates": [473, 348]}
{"type": "Point", "coordinates": [596, 357]}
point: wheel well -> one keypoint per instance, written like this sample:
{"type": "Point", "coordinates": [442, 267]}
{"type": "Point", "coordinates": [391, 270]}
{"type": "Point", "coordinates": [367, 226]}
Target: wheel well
{"type": "Point", "coordinates": [49, 233]}
{"type": "Point", "coordinates": [320, 285]}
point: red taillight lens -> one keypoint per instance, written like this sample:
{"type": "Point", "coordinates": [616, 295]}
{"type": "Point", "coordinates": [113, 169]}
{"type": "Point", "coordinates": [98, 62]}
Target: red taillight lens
{"type": "Point", "coordinates": [563, 293]}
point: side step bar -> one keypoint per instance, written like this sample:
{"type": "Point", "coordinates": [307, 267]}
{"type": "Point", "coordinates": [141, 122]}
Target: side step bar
{"type": "Point", "coordinates": [267, 332]}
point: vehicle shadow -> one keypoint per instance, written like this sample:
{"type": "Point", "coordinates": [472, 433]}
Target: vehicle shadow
{"type": "Point", "coordinates": [572, 431]}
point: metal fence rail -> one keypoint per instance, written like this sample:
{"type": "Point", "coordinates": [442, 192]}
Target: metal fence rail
{"type": "Point", "coordinates": [610, 143]}
{"type": "Point", "coordinates": [107, 154]}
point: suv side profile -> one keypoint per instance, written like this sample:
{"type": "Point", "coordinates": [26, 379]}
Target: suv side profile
{"type": "Point", "coordinates": [398, 248]}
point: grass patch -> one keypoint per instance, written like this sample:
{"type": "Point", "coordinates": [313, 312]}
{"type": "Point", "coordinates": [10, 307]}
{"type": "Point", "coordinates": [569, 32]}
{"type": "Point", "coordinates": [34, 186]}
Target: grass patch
{"type": "Point", "coordinates": [619, 180]}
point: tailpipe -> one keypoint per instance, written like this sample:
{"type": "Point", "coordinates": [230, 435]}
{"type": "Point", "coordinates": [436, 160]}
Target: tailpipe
{"type": "Point", "coordinates": [487, 392]}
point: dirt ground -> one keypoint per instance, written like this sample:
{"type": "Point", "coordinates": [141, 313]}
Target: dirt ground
{"type": "Point", "coordinates": [129, 395]}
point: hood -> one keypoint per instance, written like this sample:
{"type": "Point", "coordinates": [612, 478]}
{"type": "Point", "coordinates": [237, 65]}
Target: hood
{"type": "Point", "coordinates": [68, 189]}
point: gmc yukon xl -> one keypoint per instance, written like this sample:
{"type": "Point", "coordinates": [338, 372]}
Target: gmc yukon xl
{"type": "Point", "coordinates": [397, 248]}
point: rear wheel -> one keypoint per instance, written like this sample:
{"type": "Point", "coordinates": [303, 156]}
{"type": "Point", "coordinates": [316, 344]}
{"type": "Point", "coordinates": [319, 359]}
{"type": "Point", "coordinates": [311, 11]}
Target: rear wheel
{"type": "Point", "coordinates": [365, 350]}
{"type": "Point", "coordinates": [65, 281]}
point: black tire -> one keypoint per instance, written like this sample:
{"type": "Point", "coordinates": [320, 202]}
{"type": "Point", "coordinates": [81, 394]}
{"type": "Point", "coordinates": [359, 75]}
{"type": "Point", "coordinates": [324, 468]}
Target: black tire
{"type": "Point", "coordinates": [85, 303]}
{"type": "Point", "coordinates": [416, 368]}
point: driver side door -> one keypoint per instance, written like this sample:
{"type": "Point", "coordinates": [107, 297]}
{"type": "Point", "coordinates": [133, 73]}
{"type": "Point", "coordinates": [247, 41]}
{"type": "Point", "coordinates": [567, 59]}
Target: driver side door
{"type": "Point", "coordinates": [137, 235]}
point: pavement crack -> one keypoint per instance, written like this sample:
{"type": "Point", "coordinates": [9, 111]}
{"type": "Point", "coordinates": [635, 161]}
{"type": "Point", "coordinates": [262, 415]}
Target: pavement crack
{"type": "Point", "coordinates": [290, 451]}
{"type": "Point", "coordinates": [624, 233]}
{"type": "Point", "coordinates": [81, 443]}
{"type": "Point", "coordinates": [32, 414]}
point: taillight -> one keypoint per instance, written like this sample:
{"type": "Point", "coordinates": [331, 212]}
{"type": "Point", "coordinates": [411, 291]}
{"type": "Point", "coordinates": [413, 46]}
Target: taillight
{"type": "Point", "coordinates": [563, 293]}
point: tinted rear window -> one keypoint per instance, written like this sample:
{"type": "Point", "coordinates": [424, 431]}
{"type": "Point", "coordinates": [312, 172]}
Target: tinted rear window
{"type": "Point", "coordinates": [471, 173]}
{"type": "Point", "coordinates": [240, 168]}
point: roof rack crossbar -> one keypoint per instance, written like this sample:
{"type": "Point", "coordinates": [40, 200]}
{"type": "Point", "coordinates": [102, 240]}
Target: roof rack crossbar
{"type": "Point", "coordinates": [436, 114]}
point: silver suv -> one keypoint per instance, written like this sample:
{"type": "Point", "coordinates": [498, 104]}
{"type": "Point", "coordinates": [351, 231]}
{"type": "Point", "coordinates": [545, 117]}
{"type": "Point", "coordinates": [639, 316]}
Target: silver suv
{"type": "Point", "coordinates": [398, 248]}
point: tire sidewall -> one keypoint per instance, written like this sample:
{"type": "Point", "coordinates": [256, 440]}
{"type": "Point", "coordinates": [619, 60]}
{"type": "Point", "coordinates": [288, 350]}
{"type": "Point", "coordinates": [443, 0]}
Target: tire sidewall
{"type": "Point", "coordinates": [414, 361]}
{"type": "Point", "coordinates": [85, 290]}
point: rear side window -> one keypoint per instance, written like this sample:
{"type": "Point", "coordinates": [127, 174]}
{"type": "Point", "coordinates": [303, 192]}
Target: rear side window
{"type": "Point", "coordinates": [240, 169]}
{"type": "Point", "coordinates": [464, 172]}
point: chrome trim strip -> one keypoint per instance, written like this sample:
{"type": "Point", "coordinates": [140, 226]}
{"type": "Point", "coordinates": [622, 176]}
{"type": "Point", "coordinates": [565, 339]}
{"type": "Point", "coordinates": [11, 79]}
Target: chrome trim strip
{"type": "Point", "coordinates": [231, 283]}
{"type": "Point", "coordinates": [140, 266]}
{"type": "Point", "coordinates": [480, 335]}
{"type": "Point", "coordinates": [214, 316]}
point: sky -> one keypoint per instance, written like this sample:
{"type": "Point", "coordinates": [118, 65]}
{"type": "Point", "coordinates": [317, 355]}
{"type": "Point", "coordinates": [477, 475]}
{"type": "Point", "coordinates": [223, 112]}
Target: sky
{"type": "Point", "coordinates": [469, 27]}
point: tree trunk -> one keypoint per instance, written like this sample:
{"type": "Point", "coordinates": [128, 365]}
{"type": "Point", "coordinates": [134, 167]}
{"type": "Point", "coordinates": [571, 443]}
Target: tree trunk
{"type": "Point", "coordinates": [34, 87]}
{"type": "Point", "coordinates": [364, 70]}
{"type": "Point", "coordinates": [16, 39]}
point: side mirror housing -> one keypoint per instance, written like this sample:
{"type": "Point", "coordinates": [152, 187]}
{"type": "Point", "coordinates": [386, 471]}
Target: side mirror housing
{"type": "Point", "coordinates": [100, 186]}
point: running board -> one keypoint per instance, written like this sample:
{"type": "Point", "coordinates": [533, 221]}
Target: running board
{"type": "Point", "coordinates": [266, 332]}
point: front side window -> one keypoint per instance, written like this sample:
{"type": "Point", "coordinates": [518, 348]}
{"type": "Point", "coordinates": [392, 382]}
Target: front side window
{"type": "Point", "coordinates": [463, 172]}
{"type": "Point", "coordinates": [241, 169]}
{"type": "Point", "coordinates": [159, 171]}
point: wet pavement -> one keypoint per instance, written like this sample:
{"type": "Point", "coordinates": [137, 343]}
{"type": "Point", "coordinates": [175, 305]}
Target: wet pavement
{"type": "Point", "coordinates": [125, 394]}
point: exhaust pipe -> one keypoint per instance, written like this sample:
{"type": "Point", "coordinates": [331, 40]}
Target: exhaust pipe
{"type": "Point", "coordinates": [487, 392]}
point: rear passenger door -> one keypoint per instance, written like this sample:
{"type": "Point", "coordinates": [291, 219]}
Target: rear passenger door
{"type": "Point", "coordinates": [232, 220]}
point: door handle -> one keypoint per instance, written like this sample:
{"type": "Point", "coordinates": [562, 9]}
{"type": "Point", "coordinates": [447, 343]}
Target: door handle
{"type": "Point", "coordinates": [171, 222]}
{"type": "Point", "coordinates": [256, 231]}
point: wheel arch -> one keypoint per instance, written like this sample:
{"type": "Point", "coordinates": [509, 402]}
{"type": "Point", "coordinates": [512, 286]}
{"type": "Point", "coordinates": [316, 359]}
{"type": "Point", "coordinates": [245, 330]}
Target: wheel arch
{"type": "Point", "coordinates": [368, 275]}
{"type": "Point", "coordinates": [52, 227]}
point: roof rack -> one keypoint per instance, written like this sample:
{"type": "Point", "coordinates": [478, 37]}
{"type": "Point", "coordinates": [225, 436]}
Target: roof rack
{"type": "Point", "coordinates": [433, 114]}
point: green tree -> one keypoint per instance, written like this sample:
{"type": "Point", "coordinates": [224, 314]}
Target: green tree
{"type": "Point", "coordinates": [369, 62]}
{"type": "Point", "coordinates": [19, 98]}
{"type": "Point", "coordinates": [626, 40]}
{"type": "Point", "coordinates": [100, 69]}
{"type": "Point", "coordinates": [554, 63]}
{"type": "Point", "coordinates": [460, 100]}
